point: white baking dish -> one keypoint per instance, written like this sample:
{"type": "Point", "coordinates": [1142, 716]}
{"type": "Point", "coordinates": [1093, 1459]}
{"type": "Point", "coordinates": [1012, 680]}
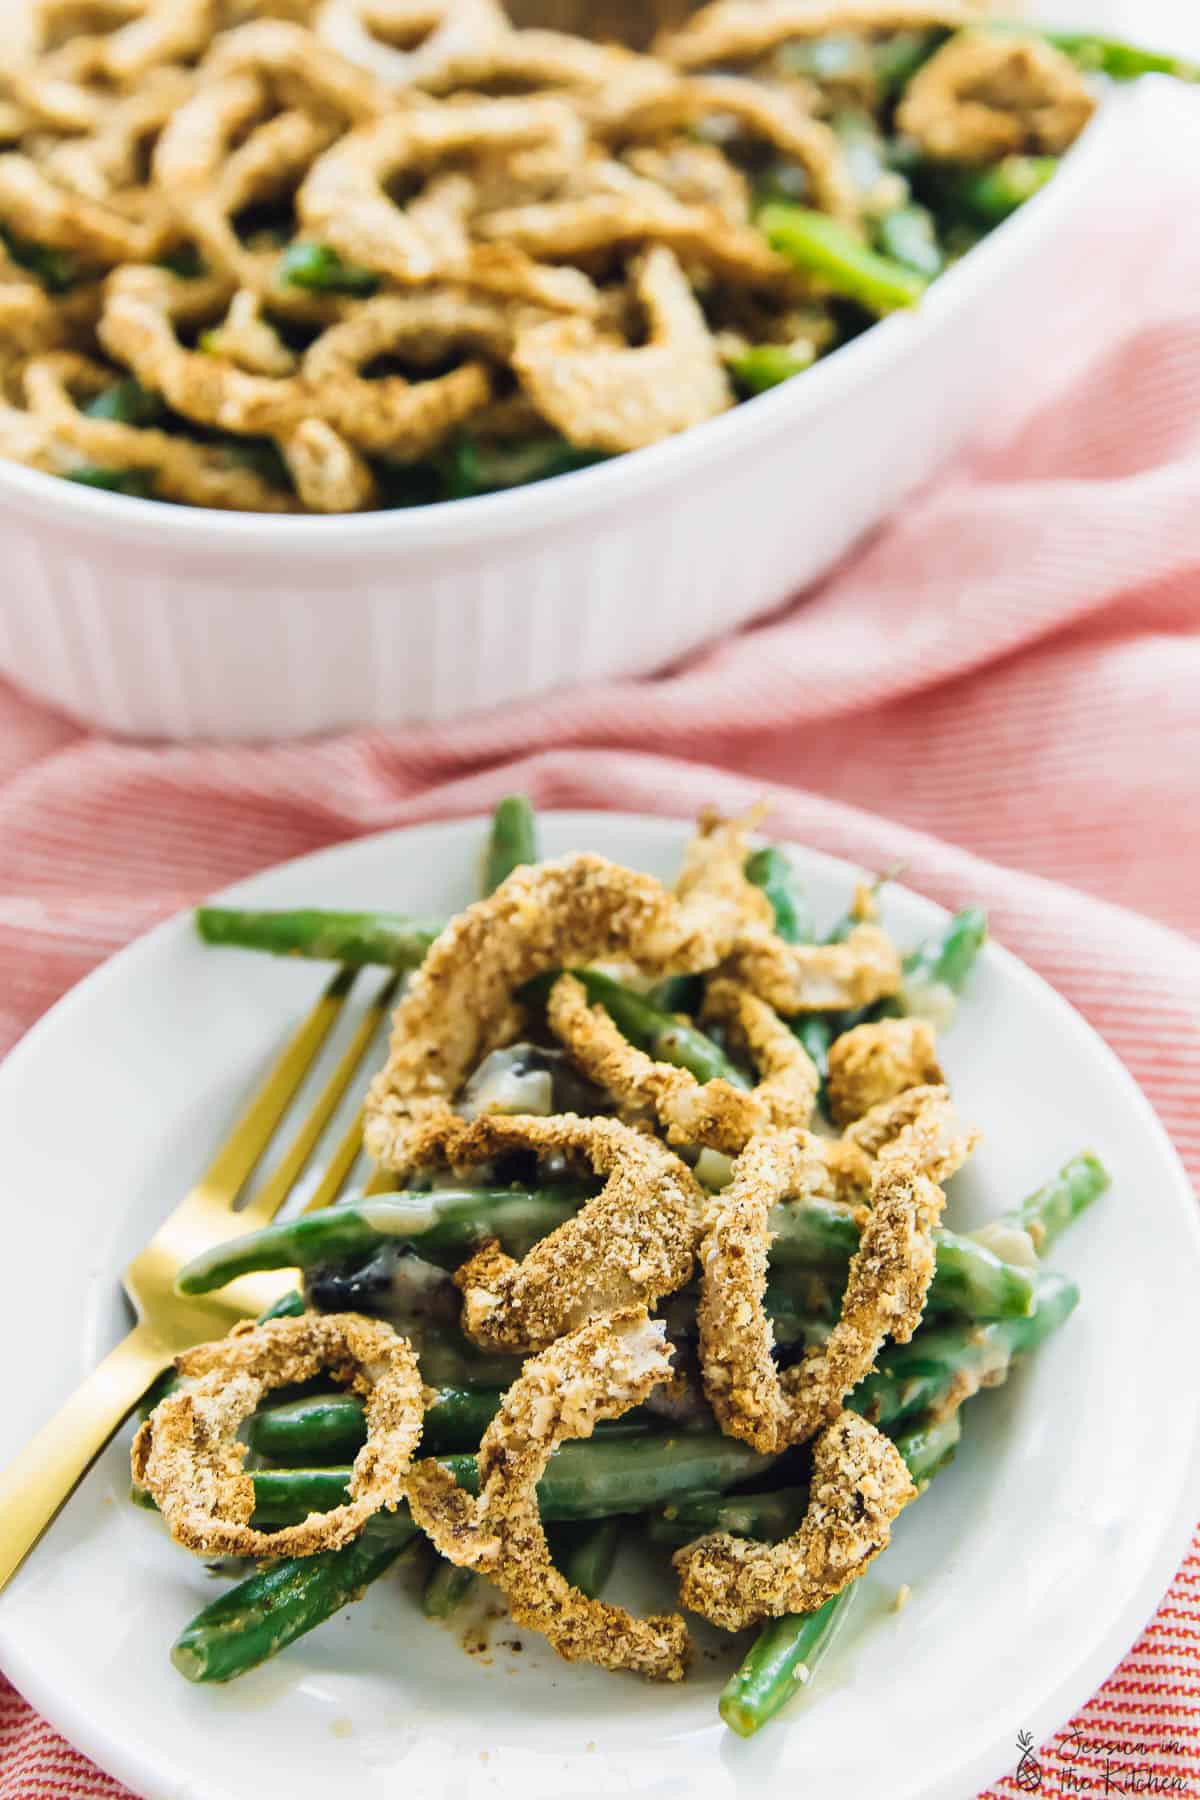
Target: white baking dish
{"type": "Point", "coordinates": [166, 621]}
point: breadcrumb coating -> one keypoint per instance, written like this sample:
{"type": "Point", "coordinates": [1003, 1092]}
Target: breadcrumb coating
{"type": "Point", "coordinates": [885, 1291]}
{"type": "Point", "coordinates": [632, 1244]}
{"type": "Point", "coordinates": [874, 1063]}
{"type": "Point", "coordinates": [187, 1454]}
{"type": "Point", "coordinates": [795, 978]}
{"type": "Point", "coordinates": [984, 96]}
{"type": "Point", "coordinates": [712, 1113]}
{"type": "Point", "coordinates": [743, 30]}
{"type": "Point", "coordinates": [859, 1484]}
{"type": "Point", "coordinates": [577, 910]}
{"type": "Point", "coordinates": [596, 1373]}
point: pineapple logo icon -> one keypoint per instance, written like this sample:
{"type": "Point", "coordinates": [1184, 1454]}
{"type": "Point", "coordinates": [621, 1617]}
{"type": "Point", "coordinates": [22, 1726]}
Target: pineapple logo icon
{"type": "Point", "coordinates": [1029, 1772]}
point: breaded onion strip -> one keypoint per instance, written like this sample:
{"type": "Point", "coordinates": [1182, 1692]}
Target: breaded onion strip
{"type": "Point", "coordinates": [330, 475]}
{"type": "Point", "coordinates": [106, 162]}
{"type": "Point", "coordinates": [404, 418]}
{"type": "Point", "coordinates": [769, 115]}
{"type": "Point", "coordinates": [195, 474]}
{"type": "Point", "coordinates": [37, 209]}
{"type": "Point", "coordinates": [859, 1484]}
{"type": "Point", "coordinates": [277, 49]}
{"type": "Point", "coordinates": [457, 38]}
{"type": "Point", "coordinates": [187, 1454]}
{"type": "Point", "coordinates": [875, 1063]}
{"type": "Point", "coordinates": [167, 31]}
{"type": "Point", "coordinates": [819, 977]}
{"type": "Point", "coordinates": [615, 399]}
{"type": "Point", "coordinates": [614, 208]}
{"type": "Point", "coordinates": [741, 30]}
{"type": "Point", "coordinates": [344, 201]}
{"type": "Point", "coordinates": [983, 96]}
{"type": "Point", "coordinates": [630, 1245]}
{"type": "Point", "coordinates": [577, 910]}
{"type": "Point", "coordinates": [713, 1113]}
{"type": "Point", "coordinates": [597, 1373]}
{"type": "Point", "coordinates": [885, 1292]}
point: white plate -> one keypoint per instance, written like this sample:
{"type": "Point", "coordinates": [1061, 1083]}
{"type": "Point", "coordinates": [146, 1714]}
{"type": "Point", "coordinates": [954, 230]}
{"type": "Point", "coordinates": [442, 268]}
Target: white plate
{"type": "Point", "coordinates": [1033, 1561]}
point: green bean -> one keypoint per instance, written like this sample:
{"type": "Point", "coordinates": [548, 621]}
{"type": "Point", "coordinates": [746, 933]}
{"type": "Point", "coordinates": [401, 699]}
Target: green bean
{"type": "Point", "coordinates": [820, 1236]}
{"type": "Point", "coordinates": [990, 195]}
{"type": "Point", "coordinates": [321, 1425]}
{"type": "Point", "coordinates": [139, 483]}
{"type": "Point", "coordinates": [816, 1033]}
{"type": "Point", "coordinates": [768, 1517]}
{"type": "Point", "coordinates": [924, 1375]}
{"type": "Point", "coordinates": [772, 871]}
{"type": "Point", "coordinates": [1110, 56]}
{"type": "Point", "coordinates": [127, 402]}
{"type": "Point", "coordinates": [811, 1236]}
{"type": "Point", "coordinates": [447, 1589]}
{"type": "Point", "coordinates": [678, 994]}
{"type": "Point", "coordinates": [949, 956]}
{"type": "Point", "coordinates": [908, 234]}
{"type": "Point", "coordinates": [1048, 1212]}
{"type": "Point", "coordinates": [784, 1657]}
{"type": "Point", "coordinates": [281, 1602]}
{"type": "Point", "coordinates": [786, 1653]}
{"type": "Point", "coordinates": [512, 842]}
{"type": "Point", "coordinates": [823, 247]}
{"type": "Point", "coordinates": [448, 1222]}
{"type": "Point", "coordinates": [763, 366]}
{"type": "Point", "coordinates": [474, 467]}
{"type": "Point", "coordinates": [56, 269]}
{"type": "Point", "coordinates": [659, 1034]}
{"type": "Point", "coordinates": [321, 270]}
{"type": "Point", "coordinates": [586, 1554]}
{"type": "Point", "coordinates": [288, 1306]}
{"type": "Point", "coordinates": [277, 1605]}
{"type": "Point", "coordinates": [358, 938]}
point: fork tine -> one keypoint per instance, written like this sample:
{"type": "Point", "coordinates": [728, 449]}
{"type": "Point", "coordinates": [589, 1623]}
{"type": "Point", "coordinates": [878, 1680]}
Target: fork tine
{"type": "Point", "coordinates": [235, 1161]}
{"type": "Point", "coordinates": [261, 1208]}
{"type": "Point", "coordinates": [339, 1165]}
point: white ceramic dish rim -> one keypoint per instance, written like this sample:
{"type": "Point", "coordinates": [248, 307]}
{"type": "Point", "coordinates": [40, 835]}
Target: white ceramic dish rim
{"type": "Point", "coordinates": [122, 1757]}
{"type": "Point", "coordinates": [567, 497]}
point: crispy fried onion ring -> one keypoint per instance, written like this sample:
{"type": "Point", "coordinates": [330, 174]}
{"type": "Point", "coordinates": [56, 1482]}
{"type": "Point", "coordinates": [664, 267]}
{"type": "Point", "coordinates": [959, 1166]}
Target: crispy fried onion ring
{"type": "Point", "coordinates": [187, 1454]}
{"type": "Point", "coordinates": [36, 208]}
{"type": "Point", "coordinates": [983, 96]}
{"type": "Point", "coordinates": [713, 1113]}
{"type": "Point", "coordinates": [608, 206]}
{"type": "Point", "coordinates": [578, 910]}
{"type": "Point", "coordinates": [859, 1484]}
{"type": "Point", "coordinates": [344, 198]}
{"type": "Point", "coordinates": [741, 30]}
{"type": "Point", "coordinates": [794, 978]}
{"type": "Point", "coordinates": [632, 1244]}
{"type": "Point", "coordinates": [770, 115]}
{"type": "Point", "coordinates": [885, 1293]}
{"type": "Point", "coordinates": [613, 398]}
{"type": "Point", "coordinates": [877, 1062]}
{"type": "Point", "coordinates": [598, 1372]}
{"type": "Point", "coordinates": [453, 42]}
{"type": "Point", "coordinates": [195, 474]}
{"type": "Point", "coordinates": [405, 418]}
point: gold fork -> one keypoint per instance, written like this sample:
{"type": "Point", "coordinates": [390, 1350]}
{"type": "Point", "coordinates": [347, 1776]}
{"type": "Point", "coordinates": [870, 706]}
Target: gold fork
{"type": "Point", "coordinates": [36, 1483]}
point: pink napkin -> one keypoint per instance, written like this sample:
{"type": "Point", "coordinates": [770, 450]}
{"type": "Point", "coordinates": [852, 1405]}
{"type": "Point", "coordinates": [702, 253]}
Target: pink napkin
{"type": "Point", "coordinates": [1001, 690]}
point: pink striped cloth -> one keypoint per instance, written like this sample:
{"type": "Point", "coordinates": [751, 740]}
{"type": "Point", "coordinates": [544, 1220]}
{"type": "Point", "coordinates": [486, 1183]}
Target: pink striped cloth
{"type": "Point", "coordinates": [1001, 690]}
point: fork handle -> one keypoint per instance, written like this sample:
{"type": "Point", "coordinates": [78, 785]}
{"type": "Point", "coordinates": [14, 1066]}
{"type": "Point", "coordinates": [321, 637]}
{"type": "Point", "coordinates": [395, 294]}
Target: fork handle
{"type": "Point", "coordinates": [37, 1482]}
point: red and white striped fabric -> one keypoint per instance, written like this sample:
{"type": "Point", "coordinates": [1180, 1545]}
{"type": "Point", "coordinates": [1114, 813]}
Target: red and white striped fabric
{"type": "Point", "coordinates": [1001, 690]}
